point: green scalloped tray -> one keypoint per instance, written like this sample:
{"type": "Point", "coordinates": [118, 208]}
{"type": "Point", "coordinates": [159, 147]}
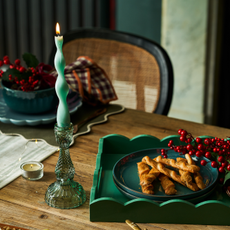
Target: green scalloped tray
{"type": "Point", "coordinates": [108, 204]}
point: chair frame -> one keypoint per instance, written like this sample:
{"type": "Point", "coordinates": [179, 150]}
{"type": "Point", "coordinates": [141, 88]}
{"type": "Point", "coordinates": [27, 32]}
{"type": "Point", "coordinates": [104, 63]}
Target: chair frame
{"type": "Point", "coordinates": [161, 56]}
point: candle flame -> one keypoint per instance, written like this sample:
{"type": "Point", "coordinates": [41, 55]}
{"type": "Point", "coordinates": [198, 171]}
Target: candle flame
{"type": "Point", "coordinates": [31, 166]}
{"type": "Point", "coordinates": [36, 141]}
{"type": "Point", "coordinates": [58, 28]}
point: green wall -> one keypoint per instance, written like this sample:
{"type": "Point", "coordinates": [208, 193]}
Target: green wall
{"type": "Point", "coordinates": [140, 17]}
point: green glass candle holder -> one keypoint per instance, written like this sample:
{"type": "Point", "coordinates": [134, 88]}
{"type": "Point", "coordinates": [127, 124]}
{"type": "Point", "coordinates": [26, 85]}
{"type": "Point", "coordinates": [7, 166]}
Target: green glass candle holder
{"type": "Point", "coordinates": [65, 193]}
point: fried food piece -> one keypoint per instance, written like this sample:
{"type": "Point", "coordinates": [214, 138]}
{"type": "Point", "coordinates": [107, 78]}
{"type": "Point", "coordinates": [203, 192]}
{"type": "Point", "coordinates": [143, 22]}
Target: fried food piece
{"type": "Point", "coordinates": [147, 176]}
{"type": "Point", "coordinates": [167, 185]}
{"type": "Point", "coordinates": [179, 165]}
{"type": "Point", "coordinates": [168, 172]}
{"type": "Point", "coordinates": [197, 176]}
{"type": "Point", "coordinates": [186, 177]}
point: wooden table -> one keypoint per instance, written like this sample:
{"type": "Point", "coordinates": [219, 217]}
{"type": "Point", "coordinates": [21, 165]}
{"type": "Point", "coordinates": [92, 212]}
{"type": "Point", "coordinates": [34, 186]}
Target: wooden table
{"type": "Point", "coordinates": [22, 202]}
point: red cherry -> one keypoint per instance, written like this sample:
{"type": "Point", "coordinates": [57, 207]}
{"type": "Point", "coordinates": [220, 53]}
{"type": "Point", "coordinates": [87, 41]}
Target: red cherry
{"type": "Point", "coordinates": [203, 162]}
{"type": "Point", "coordinates": [221, 169]}
{"type": "Point", "coordinates": [221, 159]}
{"type": "Point", "coordinates": [228, 167]}
{"type": "Point", "coordinates": [198, 140]}
{"type": "Point", "coordinates": [214, 164]}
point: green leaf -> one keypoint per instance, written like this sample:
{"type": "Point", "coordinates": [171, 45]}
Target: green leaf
{"type": "Point", "coordinates": [30, 60]}
{"type": "Point", "coordinates": [13, 72]}
{"type": "Point", "coordinates": [227, 176]}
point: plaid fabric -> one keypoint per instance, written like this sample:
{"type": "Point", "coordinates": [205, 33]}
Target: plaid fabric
{"type": "Point", "coordinates": [89, 80]}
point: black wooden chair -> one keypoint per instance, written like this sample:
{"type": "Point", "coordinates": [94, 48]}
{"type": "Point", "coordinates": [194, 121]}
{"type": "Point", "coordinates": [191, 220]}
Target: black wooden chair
{"type": "Point", "coordinates": [140, 69]}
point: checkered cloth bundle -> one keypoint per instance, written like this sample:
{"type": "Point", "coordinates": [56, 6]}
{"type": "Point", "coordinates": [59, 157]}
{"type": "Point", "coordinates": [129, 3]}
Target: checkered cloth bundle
{"type": "Point", "coordinates": [89, 80]}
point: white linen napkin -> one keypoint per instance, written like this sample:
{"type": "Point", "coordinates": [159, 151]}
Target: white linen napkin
{"type": "Point", "coordinates": [15, 149]}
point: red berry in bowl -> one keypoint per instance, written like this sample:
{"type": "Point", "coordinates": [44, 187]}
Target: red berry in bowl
{"type": "Point", "coordinates": [224, 164]}
{"type": "Point", "coordinates": [214, 164]}
{"type": "Point", "coordinates": [221, 159]}
{"type": "Point", "coordinates": [198, 154]}
{"type": "Point", "coordinates": [179, 131]}
{"type": "Point", "coordinates": [203, 162]}
{"type": "Point", "coordinates": [228, 167]}
{"type": "Point", "coordinates": [189, 147]}
{"type": "Point", "coordinates": [17, 62]}
{"type": "Point", "coordinates": [208, 155]}
{"type": "Point", "coordinates": [198, 140]}
{"type": "Point", "coordinates": [182, 138]}
{"type": "Point", "coordinates": [221, 169]}
{"type": "Point", "coordinates": [183, 133]}
{"type": "Point", "coordinates": [6, 61]}
{"type": "Point", "coordinates": [22, 69]}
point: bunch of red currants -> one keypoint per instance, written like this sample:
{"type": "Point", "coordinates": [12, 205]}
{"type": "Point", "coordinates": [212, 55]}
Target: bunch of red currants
{"type": "Point", "coordinates": [211, 148]}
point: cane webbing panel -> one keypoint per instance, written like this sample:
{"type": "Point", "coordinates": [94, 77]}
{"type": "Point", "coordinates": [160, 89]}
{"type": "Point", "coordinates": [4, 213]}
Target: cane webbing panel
{"type": "Point", "coordinates": [134, 72]}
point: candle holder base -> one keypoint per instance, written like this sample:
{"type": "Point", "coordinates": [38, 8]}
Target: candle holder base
{"type": "Point", "coordinates": [65, 193]}
{"type": "Point", "coordinates": [66, 196]}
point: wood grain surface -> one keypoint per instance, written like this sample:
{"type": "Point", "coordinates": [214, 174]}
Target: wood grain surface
{"type": "Point", "coordinates": [22, 202]}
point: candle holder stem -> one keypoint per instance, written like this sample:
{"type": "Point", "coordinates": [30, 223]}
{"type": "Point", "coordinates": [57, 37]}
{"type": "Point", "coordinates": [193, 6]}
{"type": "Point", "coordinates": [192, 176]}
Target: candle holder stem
{"type": "Point", "coordinates": [65, 193]}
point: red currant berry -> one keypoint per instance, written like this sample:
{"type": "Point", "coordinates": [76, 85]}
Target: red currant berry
{"type": "Point", "coordinates": [17, 62]}
{"type": "Point", "coordinates": [207, 141]}
{"type": "Point", "coordinates": [224, 164]}
{"type": "Point", "coordinates": [1, 63]}
{"type": "Point", "coordinates": [221, 169]}
{"type": "Point", "coordinates": [183, 133]}
{"type": "Point", "coordinates": [200, 147]}
{"type": "Point", "coordinates": [190, 153]}
{"type": "Point", "coordinates": [208, 155]}
{"type": "Point", "coordinates": [22, 69]}
{"type": "Point", "coordinates": [182, 138]}
{"type": "Point", "coordinates": [189, 147]}
{"type": "Point", "coordinates": [198, 154]}
{"type": "Point", "coordinates": [198, 140]}
{"type": "Point", "coordinates": [6, 61]}
{"type": "Point", "coordinates": [228, 167]}
{"type": "Point", "coordinates": [189, 140]}
{"type": "Point", "coordinates": [203, 162]}
{"type": "Point", "coordinates": [221, 159]}
{"type": "Point", "coordinates": [162, 153]}
{"type": "Point", "coordinates": [214, 164]}
{"type": "Point", "coordinates": [179, 131]}
{"type": "Point", "coordinates": [165, 156]}
{"type": "Point", "coordinates": [183, 151]}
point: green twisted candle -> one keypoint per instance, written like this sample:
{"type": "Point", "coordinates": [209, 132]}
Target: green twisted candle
{"type": "Point", "coordinates": [61, 86]}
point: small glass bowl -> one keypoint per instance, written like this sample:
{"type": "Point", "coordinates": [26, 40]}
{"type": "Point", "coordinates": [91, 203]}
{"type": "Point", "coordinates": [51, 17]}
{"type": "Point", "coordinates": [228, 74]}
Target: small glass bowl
{"type": "Point", "coordinates": [32, 170]}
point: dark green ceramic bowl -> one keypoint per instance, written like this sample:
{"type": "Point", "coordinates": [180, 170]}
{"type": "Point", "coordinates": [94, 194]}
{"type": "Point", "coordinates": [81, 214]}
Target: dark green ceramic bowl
{"type": "Point", "coordinates": [34, 102]}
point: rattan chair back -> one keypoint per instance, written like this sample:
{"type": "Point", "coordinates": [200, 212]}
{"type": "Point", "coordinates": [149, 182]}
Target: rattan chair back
{"type": "Point", "coordinates": [140, 70]}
